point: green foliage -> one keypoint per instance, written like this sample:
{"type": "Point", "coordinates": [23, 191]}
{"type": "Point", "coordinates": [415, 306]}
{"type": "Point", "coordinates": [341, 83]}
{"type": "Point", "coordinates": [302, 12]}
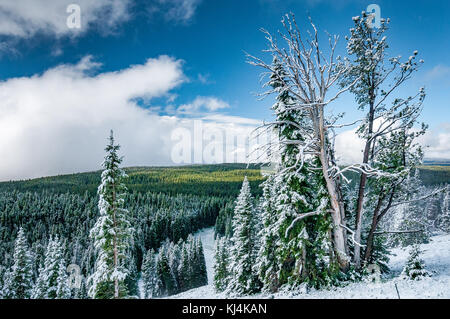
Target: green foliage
{"type": "Point", "coordinates": [415, 266]}
{"type": "Point", "coordinates": [19, 281]}
{"type": "Point", "coordinates": [244, 279]}
{"type": "Point", "coordinates": [221, 265]}
{"type": "Point", "coordinates": [174, 269]}
{"type": "Point", "coordinates": [380, 254]}
{"type": "Point", "coordinates": [224, 222]}
{"type": "Point", "coordinates": [51, 282]}
{"type": "Point", "coordinates": [222, 180]}
{"type": "Point", "coordinates": [113, 232]}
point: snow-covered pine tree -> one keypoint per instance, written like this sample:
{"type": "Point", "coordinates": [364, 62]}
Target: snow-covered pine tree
{"type": "Point", "coordinates": [221, 264]}
{"type": "Point", "coordinates": [415, 266]}
{"type": "Point", "coordinates": [2, 281]}
{"type": "Point", "coordinates": [165, 276]}
{"type": "Point", "coordinates": [201, 275]}
{"type": "Point", "coordinates": [244, 280]}
{"type": "Point", "coordinates": [267, 265]}
{"type": "Point", "coordinates": [39, 290]}
{"type": "Point", "coordinates": [19, 281]}
{"type": "Point", "coordinates": [184, 268]}
{"type": "Point", "coordinates": [296, 228]}
{"type": "Point", "coordinates": [62, 287]}
{"type": "Point", "coordinates": [149, 274]}
{"type": "Point", "coordinates": [444, 218]}
{"type": "Point", "coordinates": [51, 276]}
{"type": "Point", "coordinates": [175, 259]}
{"type": "Point", "coordinates": [112, 233]}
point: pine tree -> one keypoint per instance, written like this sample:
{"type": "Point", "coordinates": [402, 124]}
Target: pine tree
{"type": "Point", "coordinates": [62, 287]}
{"type": "Point", "coordinates": [165, 275]}
{"type": "Point", "coordinates": [112, 233]}
{"type": "Point", "coordinates": [221, 264]}
{"type": "Point", "coordinates": [201, 273]}
{"type": "Point", "coordinates": [39, 290]}
{"type": "Point", "coordinates": [244, 280]}
{"type": "Point", "coordinates": [19, 281]}
{"type": "Point", "coordinates": [184, 268]}
{"type": "Point", "coordinates": [2, 281]}
{"type": "Point", "coordinates": [415, 266]}
{"type": "Point", "coordinates": [149, 274]}
{"type": "Point", "coordinates": [295, 243]}
{"type": "Point", "coordinates": [444, 219]}
{"type": "Point", "coordinates": [53, 274]}
{"type": "Point", "coordinates": [175, 259]}
{"type": "Point", "coordinates": [267, 264]}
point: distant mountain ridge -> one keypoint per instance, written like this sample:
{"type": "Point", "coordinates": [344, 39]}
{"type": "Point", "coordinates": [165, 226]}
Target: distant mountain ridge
{"type": "Point", "coordinates": [437, 162]}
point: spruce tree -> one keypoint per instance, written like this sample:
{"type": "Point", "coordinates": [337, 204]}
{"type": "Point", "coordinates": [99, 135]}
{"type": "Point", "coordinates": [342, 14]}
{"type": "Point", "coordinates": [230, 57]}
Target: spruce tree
{"type": "Point", "coordinates": [53, 274]}
{"type": "Point", "coordinates": [444, 218]}
{"type": "Point", "coordinates": [149, 274]}
{"type": "Point", "coordinates": [415, 266]}
{"type": "Point", "coordinates": [295, 245]}
{"type": "Point", "coordinates": [165, 275]}
{"type": "Point", "coordinates": [112, 233]}
{"type": "Point", "coordinates": [244, 279]}
{"type": "Point", "coordinates": [267, 264]}
{"type": "Point", "coordinates": [201, 274]}
{"type": "Point", "coordinates": [62, 287]}
{"type": "Point", "coordinates": [184, 268]}
{"type": "Point", "coordinates": [221, 265]}
{"type": "Point", "coordinates": [19, 281]}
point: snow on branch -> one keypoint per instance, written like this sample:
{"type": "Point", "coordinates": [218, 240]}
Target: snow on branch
{"type": "Point", "coordinates": [353, 236]}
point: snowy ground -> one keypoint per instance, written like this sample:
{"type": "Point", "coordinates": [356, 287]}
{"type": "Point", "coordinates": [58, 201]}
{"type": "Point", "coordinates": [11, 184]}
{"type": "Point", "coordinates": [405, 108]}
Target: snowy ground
{"type": "Point", "coordinates": [436, 256]}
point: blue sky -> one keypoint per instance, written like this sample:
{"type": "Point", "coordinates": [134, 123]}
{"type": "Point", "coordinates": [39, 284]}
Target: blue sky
{"type": "Point", "coordinates": [208, 38]}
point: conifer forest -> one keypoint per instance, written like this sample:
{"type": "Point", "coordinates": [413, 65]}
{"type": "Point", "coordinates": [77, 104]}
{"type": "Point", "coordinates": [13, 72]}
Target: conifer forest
{"type": "Point", "coordinates": [201, 149]}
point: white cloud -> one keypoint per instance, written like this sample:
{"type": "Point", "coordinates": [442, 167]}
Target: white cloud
{"type": "Point", "coordinates": [436, 144]}
{"type": "Point", "coordinates": [177, 10]}
{"type": "Point", "coordinates": [349, 147]}
{"type": "Point", "coordinates": [208, 103]}
{"type": "Point", "coordinates": [25, 18]}
{"type": "Point", "coordinates": [57, 122]}
{"type": "Point", "coordinates": [440, 71]}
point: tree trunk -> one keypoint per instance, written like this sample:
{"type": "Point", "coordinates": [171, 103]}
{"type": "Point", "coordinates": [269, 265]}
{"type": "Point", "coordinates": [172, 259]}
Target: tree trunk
{"type": "Point", "coordinates": [375, 220]}
{"type": "Point", "coordinates": [339, 235]}
{"type": "Point", "coordinates": [116, 281]}
{"type": "Point", "coordinates": [363, 181]}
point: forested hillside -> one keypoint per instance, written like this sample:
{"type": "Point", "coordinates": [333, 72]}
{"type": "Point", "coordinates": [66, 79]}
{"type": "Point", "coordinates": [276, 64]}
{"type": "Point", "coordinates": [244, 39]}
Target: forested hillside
{"type": "Point", "coordinates": [217, 180]}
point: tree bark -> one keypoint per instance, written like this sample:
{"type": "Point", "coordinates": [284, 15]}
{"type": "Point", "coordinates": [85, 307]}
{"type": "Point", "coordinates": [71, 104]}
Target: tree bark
{"type": "Point", "coordinates": [375, 220]}
{"type": "Point", "coordinates": [339, 235]}
{"type": "Point", "coordinates": [116, 281]}
{"type": "Point", "coordinates": [363, 179]}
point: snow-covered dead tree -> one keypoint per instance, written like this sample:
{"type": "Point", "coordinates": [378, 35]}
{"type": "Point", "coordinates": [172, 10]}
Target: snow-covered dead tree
{"type": "Point", "coordinates": [308, 76]}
